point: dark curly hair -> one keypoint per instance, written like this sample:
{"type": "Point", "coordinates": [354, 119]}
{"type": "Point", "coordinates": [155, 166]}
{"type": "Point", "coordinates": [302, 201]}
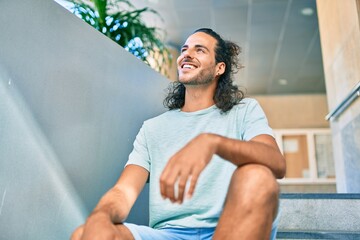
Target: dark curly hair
{"type": "Point", "coordinates": [227, 94]}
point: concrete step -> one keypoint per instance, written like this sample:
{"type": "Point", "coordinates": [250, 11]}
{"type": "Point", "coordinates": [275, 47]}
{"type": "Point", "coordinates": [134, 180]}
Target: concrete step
{"type": "Point", "coordinates": [309, 235]}
{"type": "Point", "coordinates": [319, 216]}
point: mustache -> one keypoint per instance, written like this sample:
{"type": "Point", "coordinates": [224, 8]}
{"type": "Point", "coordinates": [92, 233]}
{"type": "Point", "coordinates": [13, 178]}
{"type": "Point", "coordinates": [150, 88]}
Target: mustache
{"type": "Point", "coordinates": [187, 60]}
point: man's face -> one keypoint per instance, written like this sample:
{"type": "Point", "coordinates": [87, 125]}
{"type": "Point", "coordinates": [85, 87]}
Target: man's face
{"type": "Point", "coordinates": [196, 64]}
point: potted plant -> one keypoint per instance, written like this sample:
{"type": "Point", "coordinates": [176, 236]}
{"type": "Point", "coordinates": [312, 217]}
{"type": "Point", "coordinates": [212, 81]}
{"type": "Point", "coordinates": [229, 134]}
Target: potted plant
{"type": "Point", "coordinates": [122, 22]}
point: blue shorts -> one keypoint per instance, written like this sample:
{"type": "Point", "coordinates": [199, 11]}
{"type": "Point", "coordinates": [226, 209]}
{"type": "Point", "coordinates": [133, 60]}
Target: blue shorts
{"type": "Point", "coordinates": [147, 233]}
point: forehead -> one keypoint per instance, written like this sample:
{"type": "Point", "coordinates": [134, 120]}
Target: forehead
{"type": "Point", "coordinates": [201, 38]}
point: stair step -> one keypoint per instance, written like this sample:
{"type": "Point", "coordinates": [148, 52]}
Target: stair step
{"type": "Point", "coordinates": [333, 196]}
{"type": "Point", "coordinates": [320, 214]}
{"type": "Point", "coordinates": [317, 235]}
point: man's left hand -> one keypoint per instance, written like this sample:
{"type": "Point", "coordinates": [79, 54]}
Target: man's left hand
{"type": "Point", "coordinates": [186, 165]}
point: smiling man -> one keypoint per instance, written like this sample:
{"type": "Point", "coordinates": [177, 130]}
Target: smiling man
{"type": "Point", "coordinates": [211, 160]}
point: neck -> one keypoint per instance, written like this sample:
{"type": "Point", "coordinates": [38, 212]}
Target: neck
{"type": "Point", "coordinates": [198, 98]}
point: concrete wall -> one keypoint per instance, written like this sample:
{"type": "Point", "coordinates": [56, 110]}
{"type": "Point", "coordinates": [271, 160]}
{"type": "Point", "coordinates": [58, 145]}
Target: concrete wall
{"type": "Point", "coordinates": [71, 104]}
{"type": "Point", "coordinates": [340, 41]}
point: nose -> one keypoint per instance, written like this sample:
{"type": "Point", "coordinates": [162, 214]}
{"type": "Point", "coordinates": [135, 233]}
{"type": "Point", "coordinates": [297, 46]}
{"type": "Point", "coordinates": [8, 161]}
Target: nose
{"type": "Point", "coordinates": [187, 56]}
{"type": "Point", "coordinates": [187, 53]}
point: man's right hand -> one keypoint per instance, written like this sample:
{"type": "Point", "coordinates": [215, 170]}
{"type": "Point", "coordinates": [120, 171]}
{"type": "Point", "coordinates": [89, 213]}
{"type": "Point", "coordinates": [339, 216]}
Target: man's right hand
{"type": "Point", "coordinates": [96, 228]}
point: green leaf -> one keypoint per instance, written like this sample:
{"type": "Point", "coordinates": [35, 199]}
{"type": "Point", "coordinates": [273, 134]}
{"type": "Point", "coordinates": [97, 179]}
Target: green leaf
{"type": "Point", "coordinates": [125, 26]}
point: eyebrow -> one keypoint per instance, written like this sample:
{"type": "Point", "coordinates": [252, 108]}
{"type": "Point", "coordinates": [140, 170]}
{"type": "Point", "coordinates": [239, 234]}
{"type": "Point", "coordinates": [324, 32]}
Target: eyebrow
{"type": "Point", "coordinates": [196, 46]}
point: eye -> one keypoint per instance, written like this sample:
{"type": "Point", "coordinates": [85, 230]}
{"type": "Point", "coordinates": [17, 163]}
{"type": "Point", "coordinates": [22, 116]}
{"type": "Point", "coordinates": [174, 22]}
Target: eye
{"type": "Point", "coordinates": [183, 50]}
{"type": "Point", "coordinates": [200, 50]}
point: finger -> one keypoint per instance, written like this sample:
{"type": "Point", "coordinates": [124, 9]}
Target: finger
{"type": "Point", "coordinates": [181, 187]}
{"type": "Point", "coordinates": [193, 181]}
{"type": "Point", "coordinates": [162, 185]}
{"type": "Point", "coordinates": [170, 187]}
{"type": "Point", "coordinates": [77, 234]}
{"type": "Point", "coordinates": [167, 183]}
{"type": "Point", "coordinates": [163, 179]}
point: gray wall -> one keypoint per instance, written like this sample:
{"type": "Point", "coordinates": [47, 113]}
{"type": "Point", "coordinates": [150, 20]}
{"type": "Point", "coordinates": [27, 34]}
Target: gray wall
{"type": "Point", "coordinates": [340, 43]}
{"type": "Point", "coordinates": [71, 104]}
{"type": "Point", "coordinates": [351, 150]}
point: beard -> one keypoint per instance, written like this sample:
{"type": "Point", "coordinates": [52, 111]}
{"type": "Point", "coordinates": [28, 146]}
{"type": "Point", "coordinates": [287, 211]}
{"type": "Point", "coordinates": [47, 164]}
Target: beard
{"type": "Point", "coordinates": [204, 77]}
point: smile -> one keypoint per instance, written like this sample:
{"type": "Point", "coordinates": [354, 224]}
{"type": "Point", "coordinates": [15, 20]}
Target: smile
{"type": "Point", "coordinates": [187, 65]}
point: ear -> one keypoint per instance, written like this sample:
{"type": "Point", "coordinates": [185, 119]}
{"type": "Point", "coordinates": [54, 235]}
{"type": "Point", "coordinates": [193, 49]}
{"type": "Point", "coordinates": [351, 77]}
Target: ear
{"type": "Point", "coordinates": [220, 68]}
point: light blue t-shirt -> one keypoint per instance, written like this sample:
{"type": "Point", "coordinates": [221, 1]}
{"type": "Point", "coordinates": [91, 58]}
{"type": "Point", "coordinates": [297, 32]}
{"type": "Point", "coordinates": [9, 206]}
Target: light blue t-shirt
{"type": "Point", "coordinates": [161, 137]}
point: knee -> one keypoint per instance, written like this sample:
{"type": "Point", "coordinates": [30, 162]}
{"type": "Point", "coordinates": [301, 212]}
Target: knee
{"type": "Point", "coordinates": [255, 184]}
{"type": "Point", "coordinates": [77, 234]}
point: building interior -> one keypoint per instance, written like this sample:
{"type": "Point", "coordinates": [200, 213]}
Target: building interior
{"type": "Point", "coordinates": [72, 102]}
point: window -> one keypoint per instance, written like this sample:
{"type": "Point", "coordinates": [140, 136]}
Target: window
{"type": "Point", "coordinates": [308, 154]}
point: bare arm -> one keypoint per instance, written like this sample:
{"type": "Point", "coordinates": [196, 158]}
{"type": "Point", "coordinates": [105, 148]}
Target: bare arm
{"type": "Point", "coordinates": [190, 161]}
{"type": "Point", "coordinates": [115, 205]}
{"type": "Point", "coordinates": [261, 149]}
{"type": "Point", "coordinates": [117, 202]}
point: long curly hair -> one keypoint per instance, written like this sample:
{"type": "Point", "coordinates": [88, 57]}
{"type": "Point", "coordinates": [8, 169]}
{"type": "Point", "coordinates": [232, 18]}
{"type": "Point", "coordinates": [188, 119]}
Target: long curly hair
{"type": "Point", "coordinates": [227, 94]}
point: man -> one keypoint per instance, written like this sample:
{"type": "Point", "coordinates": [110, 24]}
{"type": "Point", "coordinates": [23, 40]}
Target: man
{"type": "Point", "coordinates": [211, 160]}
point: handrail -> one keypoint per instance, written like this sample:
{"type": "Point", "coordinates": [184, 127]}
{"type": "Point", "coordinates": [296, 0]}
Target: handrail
{"type": "Point", "coordinates": [354, 93]}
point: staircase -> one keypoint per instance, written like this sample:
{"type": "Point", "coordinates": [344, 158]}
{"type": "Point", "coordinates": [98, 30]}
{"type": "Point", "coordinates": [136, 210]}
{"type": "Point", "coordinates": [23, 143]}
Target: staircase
{"type": "Point", "coordinates": [319, 216]}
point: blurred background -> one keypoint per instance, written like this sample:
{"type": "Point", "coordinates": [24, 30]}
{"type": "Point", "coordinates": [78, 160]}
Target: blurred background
{"type": "Point", "coordinates": [280, 39]}
{"type": "Point", "coordinates": [72, 100]}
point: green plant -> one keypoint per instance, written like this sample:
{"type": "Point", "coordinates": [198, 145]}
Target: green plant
{"type": "Point", "coordinates": [120, 21]}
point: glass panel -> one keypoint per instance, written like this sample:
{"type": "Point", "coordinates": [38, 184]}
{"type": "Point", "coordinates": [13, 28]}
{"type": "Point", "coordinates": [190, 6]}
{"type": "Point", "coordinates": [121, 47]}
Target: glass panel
{"type": "Point", "coordinates": [324, 156]}
{"type": "Point", "coordinates": [296, 155]}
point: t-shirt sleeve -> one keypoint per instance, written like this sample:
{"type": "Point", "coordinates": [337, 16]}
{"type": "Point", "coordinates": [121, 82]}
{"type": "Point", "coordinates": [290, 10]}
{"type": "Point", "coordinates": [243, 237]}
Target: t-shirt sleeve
{"type": "Point", "coordinates": [255, 121]}
{"type": "Point", "coordinates": [140, 155]}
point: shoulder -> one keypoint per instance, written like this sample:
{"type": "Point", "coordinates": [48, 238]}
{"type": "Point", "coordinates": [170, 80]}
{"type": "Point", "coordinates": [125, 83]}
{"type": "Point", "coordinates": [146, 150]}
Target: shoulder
{"type": "Point", "coordinates": [245, 104]}
{"type": "Point", "coordinates": [163, 116]}
{"type": "Point", "coordinates": [249, 101]}
{"type": "Point", "coordinates": [161, 119]}
{"type": "Point", "coordinates": [247, 109]}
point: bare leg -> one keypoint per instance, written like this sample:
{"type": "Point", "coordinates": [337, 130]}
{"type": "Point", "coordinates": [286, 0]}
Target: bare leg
{"type": "Point", "coordinates": [251, 205]}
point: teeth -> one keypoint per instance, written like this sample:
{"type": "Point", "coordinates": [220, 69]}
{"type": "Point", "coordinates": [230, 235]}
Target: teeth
{"type": "Point", "coordinates": [188, 66]}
